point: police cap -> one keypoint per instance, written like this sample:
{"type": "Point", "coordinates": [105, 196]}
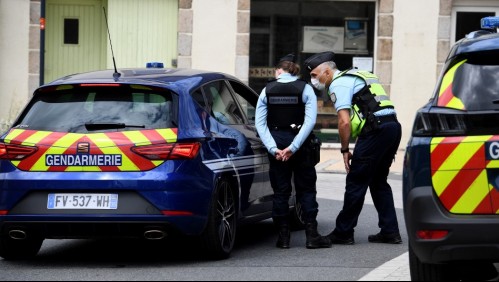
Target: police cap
{"type": "Point", "coordinates": [288, 58]}
{"type": "Point", "coordinates": [318, 59]}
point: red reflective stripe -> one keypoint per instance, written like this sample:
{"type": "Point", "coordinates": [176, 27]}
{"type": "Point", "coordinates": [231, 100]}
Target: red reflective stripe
{"type": "Point", "coordinates": [494, 195]}
{"type": "Point", "coordinates": [443, 151]}
{"type": "Point", "coordinates": [49, 140]}
{"type": "Point", "coordinates": [462, 182]}
{"type": "Point", "coordinates": [23, 136]}
{"type": "Point", "coordinates": [485, 207]}
{"type": "Point", "coordinates": [153, 136]}
{"type": "Point", "coordinates": [446, 97]}
{"type": "Point", "coordinates": [141, 163]}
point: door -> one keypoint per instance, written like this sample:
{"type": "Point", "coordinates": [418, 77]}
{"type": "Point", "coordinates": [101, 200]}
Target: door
{"type": "Point", "coordinates": [74, 37]}
{"type": "Point", "coordinates": [262, 192]}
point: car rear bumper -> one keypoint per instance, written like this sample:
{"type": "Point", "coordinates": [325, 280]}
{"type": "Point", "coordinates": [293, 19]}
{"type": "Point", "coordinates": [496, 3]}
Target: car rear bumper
{"type": "Point", "coordinates": [174, 200]}
{"type": "Point", "coordinates": [71, 227]}
{"type": "Point", "coordinates": [471, 237]}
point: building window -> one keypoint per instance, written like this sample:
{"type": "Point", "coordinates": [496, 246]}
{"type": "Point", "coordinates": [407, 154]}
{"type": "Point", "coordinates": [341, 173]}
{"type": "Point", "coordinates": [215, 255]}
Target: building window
{"type": "Point", "coordinates": [305, 27]}
{"type": "Point", "coordinates": [71, 31]}
{"type": "Point", "coordinates": [466, 16]}
{"type": "Point", "coordinates": [467, 22]}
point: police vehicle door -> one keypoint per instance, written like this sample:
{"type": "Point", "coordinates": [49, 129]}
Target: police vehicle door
{"type": "Point", "coordinates": [234, 107]}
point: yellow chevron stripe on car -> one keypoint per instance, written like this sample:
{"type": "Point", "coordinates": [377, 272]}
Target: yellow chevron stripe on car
{"type": "Point", "coordinates": [475, 195]}
{"type": "Point", "coordinates": [460, 177]}
{"type": "Point", "coordinates": [446, 97]}
{"type": "Point", "coordinates": [56, 144]}
{"type": "Point", "coordinates": [58, 148]}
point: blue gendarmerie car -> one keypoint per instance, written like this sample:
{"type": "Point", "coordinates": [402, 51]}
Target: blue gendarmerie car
{"type": "Point", "coordinates": [451, 169]}
{"type": "Point", "coordinates": [139, 153]}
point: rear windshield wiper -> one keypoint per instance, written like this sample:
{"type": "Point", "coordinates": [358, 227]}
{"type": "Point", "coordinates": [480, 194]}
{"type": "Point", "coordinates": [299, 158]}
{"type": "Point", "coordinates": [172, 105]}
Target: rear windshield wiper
{"type": "Point", "coordinates": [104, 126]}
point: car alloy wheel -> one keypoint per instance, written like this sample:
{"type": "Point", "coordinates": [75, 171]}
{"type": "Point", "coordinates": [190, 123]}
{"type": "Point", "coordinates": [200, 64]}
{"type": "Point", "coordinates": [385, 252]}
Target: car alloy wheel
{"type": "Point", "coordinates": [297, 222]}
{"type": "Point", "coordinates": [220, 234]}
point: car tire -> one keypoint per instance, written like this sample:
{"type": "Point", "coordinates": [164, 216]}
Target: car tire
{"type": "Point", "coordinates": [220, 233]}
{"type": "Point", "coordinates": [12, 249]}
{"type": "Point", "coordinates": [462, 271]}
{"type": "Point", "coordinates": [296, 215]}
{"type": "Point", "coordinates": [425, 271]}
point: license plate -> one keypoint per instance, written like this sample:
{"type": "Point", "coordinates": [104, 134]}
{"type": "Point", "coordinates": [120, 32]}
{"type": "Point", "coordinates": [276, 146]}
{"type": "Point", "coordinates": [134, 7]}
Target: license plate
{"type": "Point", "coordinates": [82, 201]}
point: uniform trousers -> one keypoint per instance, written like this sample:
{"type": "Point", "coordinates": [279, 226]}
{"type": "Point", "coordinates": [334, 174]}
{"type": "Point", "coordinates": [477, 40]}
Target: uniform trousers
{"type": "Point", "coordinates": [372, 158]}
{"type": "Point", "coordinates": [299, 169]}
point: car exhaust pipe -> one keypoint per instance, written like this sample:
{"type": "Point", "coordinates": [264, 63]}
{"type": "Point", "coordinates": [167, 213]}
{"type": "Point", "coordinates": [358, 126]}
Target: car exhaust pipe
{"type": "Point", "coordinates": [18, 234]}
{"type": "Point", "coordinates": [154, 234]}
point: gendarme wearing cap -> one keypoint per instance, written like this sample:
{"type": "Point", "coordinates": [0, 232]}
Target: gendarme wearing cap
{"type": "Point", "coordinates": [318, 59]}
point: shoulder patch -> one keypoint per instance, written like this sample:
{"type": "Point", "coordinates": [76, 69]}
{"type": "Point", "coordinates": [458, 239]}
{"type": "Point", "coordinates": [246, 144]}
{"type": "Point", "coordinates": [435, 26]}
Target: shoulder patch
{"type": "Point", "coordinates": [333, 98]}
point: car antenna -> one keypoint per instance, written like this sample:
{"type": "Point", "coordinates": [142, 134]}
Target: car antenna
{"type": "Point", "coordinates": [116, 74]}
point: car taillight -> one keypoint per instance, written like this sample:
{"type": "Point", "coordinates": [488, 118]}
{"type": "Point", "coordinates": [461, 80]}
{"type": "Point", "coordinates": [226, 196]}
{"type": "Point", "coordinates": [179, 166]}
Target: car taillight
{"type": "Point", "coordinates": [432, 234]}
{"type": "Point", "coordinates": [176, 151]}
{"type": "Point", "coordinates": [15, 152]}
{"type": "Point", "coordinates": [177, 213]}
{"type": "Point", "coordinates": [2, 212]}
{"type": "Point", "coordinates": [439, 124]}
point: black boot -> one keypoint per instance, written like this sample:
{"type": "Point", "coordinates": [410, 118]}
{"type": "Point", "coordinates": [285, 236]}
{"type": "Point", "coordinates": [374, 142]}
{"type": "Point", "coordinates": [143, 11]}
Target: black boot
{"type": "Point", "coordinates": [284, 238]}
{"type": "Point", "coordinates": [314, 239]}
{"type": "Point", "coordinates": [284, 231]}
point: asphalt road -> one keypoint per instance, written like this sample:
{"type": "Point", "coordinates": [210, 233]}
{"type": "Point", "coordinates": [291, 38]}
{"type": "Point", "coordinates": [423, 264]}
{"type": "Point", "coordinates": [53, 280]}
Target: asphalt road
{"type": "Point", "coordinates": [254, 257]}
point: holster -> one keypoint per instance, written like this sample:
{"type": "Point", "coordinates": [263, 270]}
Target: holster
{"type": "Point", "coordinates": [370, 125]}
{"type": "Point", "coordinates": [312, 150]}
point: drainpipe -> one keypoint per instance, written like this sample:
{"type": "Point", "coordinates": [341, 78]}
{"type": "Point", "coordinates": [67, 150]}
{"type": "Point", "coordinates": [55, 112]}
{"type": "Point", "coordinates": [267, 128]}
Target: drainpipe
{"type": "Point", "coordinates": [42, 43]}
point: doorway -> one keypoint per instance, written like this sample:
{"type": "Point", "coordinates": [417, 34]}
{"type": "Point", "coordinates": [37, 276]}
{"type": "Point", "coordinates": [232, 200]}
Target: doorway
{"type": "Point", "coordinates": [74, 37]}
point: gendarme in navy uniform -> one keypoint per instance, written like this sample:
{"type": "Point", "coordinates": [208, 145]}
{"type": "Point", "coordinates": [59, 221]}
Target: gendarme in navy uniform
{"type": "Point", "coordinates": [365, 112]}
{"type": "Point", "coordinates": [285, 117]}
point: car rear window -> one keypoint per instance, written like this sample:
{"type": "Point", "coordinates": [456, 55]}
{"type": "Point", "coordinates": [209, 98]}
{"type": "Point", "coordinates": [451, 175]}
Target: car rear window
{"type": "Point", "coordinates": [474, 85]}
{"type": "Point", "coordinates": [78, 109]}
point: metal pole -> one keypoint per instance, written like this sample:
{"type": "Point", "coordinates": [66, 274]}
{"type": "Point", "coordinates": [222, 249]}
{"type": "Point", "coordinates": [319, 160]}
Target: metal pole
{"type": "Point", "coordinates": [42, 43]}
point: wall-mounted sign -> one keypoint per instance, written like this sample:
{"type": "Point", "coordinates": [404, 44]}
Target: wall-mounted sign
{"type": "Point", "coordinates": [323, 38]}
{"type": "Point", "coordinates": [263, 72]}
{"type": "Point", "coordinates": [363, 63]}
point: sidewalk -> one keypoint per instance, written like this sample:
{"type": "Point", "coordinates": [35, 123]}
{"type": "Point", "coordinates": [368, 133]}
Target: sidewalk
{"type": "Point", "coordinates": [332, 160]}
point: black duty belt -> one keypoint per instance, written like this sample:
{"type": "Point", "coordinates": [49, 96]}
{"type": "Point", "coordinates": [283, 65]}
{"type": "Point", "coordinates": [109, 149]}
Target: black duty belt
{"type": "Point", "coordinates": [385, 119]}
{"type": "Point", "coordinates": [283, 128]}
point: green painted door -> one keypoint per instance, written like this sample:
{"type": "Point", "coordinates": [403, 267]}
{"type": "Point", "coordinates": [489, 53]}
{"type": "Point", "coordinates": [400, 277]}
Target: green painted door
{"type": "Point", "coordinates": [143, 31]}
{"type": "Point", "coordinates": [74, 37]}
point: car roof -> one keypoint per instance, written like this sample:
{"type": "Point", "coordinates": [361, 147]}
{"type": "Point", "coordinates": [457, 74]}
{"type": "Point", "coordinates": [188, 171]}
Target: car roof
{"type": "Point", "coordinates": [149, 76]}
{"type": "Point", "coordinates": [477, 41]}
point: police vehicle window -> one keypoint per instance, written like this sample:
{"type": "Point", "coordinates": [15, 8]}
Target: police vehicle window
{"type": "Point", "coordinates": [221, 104]}
{"type": "Point", "coordinates": [476, 82]}
{"type": "Point", "coordinates": [121, 108]}
{"type": "Point", "coordinates": [198, 97]}
{"type": "Point", "coordinates": [247, 99]}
